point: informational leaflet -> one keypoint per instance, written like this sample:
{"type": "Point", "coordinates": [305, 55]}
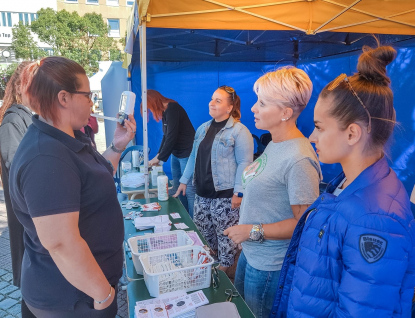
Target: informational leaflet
{"type": "Point", "coordinates": [160, 223]}
{"type": "Point", "coordinates": [181, 226]}
{"type": "Point", "coordinates": [176, 304]}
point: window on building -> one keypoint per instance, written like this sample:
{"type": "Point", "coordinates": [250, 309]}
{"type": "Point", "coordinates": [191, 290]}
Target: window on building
{"type": "Point", "coordinates": [27, 18]}
{"type": "Point", "coordinates": [114, 27]}
{"type": "Point", "coordinates": [112, 2]}
{"type": "Point", "coordinates": [3, 20]}
{"type": "Point", "coordinates": [6, 19]}
{"type": "Point", "coordinates": [130, 3]}
{"type": "Point", "coordinates": [92, 2]}
{"type": "Point", "coordinates": [72, 1]}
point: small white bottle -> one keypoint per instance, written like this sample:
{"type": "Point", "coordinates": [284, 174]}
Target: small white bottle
{"type": "Point", "coordinates": [163, 188]}
{"type": "Point", "coordinates": [154, 175]}
{"type": "Point", "coordinates": [135, 156]}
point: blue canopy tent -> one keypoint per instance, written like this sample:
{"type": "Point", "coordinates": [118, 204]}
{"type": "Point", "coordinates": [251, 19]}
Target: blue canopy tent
{"type": "Point", "coordinates": [187, 65]}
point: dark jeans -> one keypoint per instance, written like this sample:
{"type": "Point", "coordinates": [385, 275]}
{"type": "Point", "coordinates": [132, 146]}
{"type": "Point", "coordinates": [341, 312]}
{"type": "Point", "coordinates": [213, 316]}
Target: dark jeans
{"type": "Point", "coordinates": [257, 287]}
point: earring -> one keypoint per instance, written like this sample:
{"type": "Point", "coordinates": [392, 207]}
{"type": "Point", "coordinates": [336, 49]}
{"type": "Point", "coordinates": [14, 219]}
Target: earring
{"type": "Point", "coordinates": [227, 112]}
{"type": "Point", "coordinates": [283, 119]}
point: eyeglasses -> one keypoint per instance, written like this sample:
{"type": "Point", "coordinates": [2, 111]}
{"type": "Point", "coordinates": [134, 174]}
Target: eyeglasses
{"type": "Point", "coordinates": [87, 94]}
{"type": "Point", "coordinates": [343, 77]}
{"type": "Point", "coordinates": [229, 90]}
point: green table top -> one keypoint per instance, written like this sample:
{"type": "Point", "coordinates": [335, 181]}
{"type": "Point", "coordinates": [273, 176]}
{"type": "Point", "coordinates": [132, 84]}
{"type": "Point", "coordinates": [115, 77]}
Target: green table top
{"type": "Point", "coordinates": [137, 289]}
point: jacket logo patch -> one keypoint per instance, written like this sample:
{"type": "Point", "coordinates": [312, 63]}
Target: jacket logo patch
{"type": "Point", "coordinates": [372, 247]}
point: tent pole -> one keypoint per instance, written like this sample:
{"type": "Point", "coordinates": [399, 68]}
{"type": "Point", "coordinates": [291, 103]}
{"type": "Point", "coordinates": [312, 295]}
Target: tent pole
{"type": "Point", "coordinates": [143, 49]}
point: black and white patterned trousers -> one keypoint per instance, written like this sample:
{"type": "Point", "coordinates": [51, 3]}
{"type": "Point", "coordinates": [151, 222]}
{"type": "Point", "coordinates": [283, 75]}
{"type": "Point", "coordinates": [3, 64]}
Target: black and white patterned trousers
{"type": "Point", "coordinates": [212, 217]}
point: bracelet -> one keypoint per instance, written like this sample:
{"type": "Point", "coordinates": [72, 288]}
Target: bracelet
{"type": "Point", "coordinates": [113, 148]}
{"type": "Point", "coordinates": [108, 297]}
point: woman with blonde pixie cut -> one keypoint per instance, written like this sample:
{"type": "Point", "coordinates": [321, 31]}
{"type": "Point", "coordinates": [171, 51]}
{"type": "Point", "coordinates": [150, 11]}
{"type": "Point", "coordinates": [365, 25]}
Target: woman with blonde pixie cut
{"type": "Point", "coordinates": [278, 187]}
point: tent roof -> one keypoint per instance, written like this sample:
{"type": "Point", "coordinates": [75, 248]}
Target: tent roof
{"type": "Point", "coordinates": [256, 46]}
{"type": "Point", "coordinates": [305, 16]}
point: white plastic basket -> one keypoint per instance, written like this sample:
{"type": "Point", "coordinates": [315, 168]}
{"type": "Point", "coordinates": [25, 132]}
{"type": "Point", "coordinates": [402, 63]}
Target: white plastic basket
{"type": "Point", "coordinates": [176, 269]}
{"type": "Point", "coordinates": [154, 242]}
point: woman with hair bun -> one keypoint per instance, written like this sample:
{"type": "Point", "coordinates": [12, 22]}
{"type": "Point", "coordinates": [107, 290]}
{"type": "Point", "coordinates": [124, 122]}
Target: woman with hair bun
{"type": "Point", "coordinates": [353, 252]}
{"type": "Point", "coordinates": [63, 193]}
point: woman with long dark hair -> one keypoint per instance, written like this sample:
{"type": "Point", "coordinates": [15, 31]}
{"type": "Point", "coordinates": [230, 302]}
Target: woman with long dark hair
{"type": "Point", "coordinates": [352, 253]}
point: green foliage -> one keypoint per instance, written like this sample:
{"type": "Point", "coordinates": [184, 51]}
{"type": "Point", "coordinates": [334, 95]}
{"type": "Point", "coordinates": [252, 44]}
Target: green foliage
{"type": "Point", "coordinates": [23, 44]}
{"type": "Point", "coordinates": [5, 74]}
{"type": "Point", "coordinates": [82, 39]}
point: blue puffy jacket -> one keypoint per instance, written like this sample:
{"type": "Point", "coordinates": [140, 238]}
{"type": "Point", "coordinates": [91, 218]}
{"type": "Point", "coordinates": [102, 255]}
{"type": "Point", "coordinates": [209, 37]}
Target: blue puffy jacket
{"type": "Point", "coordinates": [355, 254]}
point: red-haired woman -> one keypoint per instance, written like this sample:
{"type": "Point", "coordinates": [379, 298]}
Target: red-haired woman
{"type": "Point", "coordinates": [62, 191]}
{"type": "Point", "coordinates": [178, 135]}
{"type": "Point", "coordinates": [15, 118]}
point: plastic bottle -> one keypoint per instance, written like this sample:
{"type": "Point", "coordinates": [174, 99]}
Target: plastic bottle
{"type": "Point", "coordinates": [163, 187]}
{"type": "Point", "coordinates": [135, 156]}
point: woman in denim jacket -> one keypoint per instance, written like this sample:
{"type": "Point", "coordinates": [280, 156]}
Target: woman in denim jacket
{"type": "Point", "coordinates": [222, 149]}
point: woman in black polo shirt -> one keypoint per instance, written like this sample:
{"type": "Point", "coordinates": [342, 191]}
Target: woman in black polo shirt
{"type": "Point", "coordinates": [63, 193]}
{"type": "Point", "coordinates": [178, 136]}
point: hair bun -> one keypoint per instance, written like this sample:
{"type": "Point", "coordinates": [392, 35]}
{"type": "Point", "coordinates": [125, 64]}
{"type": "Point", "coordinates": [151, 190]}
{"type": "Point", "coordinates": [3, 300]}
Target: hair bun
{"type": "Point", "coordinates": [372, 64]}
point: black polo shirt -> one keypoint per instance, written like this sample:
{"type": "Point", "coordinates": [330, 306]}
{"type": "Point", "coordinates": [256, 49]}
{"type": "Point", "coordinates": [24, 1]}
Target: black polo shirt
{"type": "Point", "coordinates": [54, 173]}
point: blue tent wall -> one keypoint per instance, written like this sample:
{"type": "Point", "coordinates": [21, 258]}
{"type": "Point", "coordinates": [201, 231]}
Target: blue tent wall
{"type": "Point", "coordinates": [192, 84]}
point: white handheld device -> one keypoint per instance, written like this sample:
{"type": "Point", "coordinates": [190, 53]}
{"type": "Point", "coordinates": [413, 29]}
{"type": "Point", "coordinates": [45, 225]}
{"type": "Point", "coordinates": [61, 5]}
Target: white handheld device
{"type": "Point", "coordinates": [127, 103]}
{"type": "Point", "coordinates": [126, 108]}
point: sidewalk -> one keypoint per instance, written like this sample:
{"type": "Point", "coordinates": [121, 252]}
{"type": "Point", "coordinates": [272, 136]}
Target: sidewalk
{"type": "Point", "coordinates": [10, 295]}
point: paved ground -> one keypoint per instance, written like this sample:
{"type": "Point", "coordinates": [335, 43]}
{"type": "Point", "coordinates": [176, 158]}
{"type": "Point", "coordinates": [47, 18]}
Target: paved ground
{"type": "Point", "coordinates": [10, 295]}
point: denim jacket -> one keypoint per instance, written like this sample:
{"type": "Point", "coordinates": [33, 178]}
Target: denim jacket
{"type": "Point", "coordinates": [232, 152]}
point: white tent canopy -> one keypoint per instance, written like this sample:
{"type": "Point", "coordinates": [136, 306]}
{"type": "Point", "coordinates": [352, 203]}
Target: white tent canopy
{"type": "Point", "coordinates": [95, 80]}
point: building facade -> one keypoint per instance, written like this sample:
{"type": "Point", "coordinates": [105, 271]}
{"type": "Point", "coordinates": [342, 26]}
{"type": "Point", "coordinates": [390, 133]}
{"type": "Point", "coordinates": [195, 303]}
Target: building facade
{"type": "Point", "coordinates": [11, 12]}
{"type": "Point", "coordinates": [114, 12]}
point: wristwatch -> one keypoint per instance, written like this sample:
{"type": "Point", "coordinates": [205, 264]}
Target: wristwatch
{"type": "Point", "coordinates": [257, 233]}
{"type": "Point", "coordinates": [238, 194]}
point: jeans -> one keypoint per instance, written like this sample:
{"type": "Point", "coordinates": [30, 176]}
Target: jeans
{"type": "Point", "coordinates": [177, 168]}
{"type": "Point", "coordinates": [258, 288]}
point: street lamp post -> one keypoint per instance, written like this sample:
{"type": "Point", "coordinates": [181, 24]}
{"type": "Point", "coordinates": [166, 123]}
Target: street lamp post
{"type": "Point", "coordinates": [6, 54]}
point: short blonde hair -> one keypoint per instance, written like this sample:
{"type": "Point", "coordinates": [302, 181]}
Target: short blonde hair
{"type": "Point", "coordinates": [288, 86]}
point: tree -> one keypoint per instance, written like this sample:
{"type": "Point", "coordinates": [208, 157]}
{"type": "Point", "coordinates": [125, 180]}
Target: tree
{"type": "Point", "coordinates": [23, 44]}
{"type": "Point", "coordinates": [82, 39]}
{"type": "Point", "coordinates": [5, 74]}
